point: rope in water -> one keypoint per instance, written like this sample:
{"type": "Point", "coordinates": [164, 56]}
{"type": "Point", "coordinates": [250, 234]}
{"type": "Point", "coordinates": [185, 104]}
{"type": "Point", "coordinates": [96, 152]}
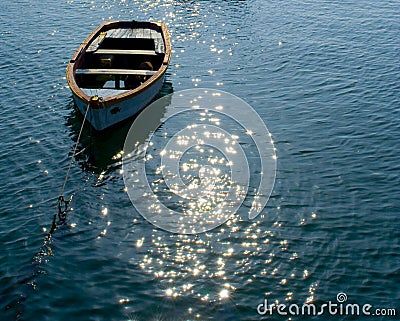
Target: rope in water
{"type": "Point", "coordinates": [74, 152]}
{"type": "Point", "coordinates": [62, 203]}
{"type": "Point", "coordinates": [45, 250]}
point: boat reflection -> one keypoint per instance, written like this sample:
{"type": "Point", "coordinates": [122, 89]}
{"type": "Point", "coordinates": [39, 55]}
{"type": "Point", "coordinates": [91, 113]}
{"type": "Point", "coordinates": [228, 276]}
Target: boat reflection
{"type": "Point", "coordinates": [100, 151]}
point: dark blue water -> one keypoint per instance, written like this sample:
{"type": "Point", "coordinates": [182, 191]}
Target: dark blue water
{"type": "Point", "coordinates": [324, 77]}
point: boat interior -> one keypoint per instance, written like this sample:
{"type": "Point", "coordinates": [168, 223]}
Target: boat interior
{"type": "Point", "coordinates": [120, 60]}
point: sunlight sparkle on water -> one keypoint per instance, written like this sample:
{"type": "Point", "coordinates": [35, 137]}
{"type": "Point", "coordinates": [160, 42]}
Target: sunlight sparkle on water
{"type": "Point", "coordinates": [224, 294]}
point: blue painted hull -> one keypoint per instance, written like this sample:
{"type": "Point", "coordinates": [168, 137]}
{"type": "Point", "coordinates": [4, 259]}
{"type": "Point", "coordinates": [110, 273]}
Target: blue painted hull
{"type": "Point", "coordinates": [102, 118]}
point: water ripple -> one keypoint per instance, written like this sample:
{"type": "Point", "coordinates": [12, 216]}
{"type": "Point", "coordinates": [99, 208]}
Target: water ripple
{"type": "Point", "coordinates": [322, 75]}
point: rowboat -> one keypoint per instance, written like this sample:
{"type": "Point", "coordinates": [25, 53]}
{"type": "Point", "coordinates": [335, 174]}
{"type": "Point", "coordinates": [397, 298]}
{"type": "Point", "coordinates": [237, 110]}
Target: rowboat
{"type": "Point", "coordinates": [118, 69]}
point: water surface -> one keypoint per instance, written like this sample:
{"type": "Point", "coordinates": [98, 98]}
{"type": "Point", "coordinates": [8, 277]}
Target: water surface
{"type": "Point", "coordinates": [324, 77]}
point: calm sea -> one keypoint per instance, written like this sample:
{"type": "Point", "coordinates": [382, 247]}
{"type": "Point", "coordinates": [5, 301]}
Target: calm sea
{"type": "Point", "coordinates": [324, 77]}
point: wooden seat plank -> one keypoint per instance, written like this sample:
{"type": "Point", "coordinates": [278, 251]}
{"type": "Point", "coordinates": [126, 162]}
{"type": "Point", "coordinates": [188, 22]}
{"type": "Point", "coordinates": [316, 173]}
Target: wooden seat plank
{"type": "Point", "coordinates": [125, 52]}
{"type": "Point", "coordinates": [115, 72]}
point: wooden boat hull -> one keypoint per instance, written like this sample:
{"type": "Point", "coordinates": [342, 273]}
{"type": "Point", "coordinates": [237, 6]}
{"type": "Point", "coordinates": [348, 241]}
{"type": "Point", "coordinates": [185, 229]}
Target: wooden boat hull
{"type": "Point", "coordinates": [102, 118]}
{"type": "Point", "coordinates": [109, 106]}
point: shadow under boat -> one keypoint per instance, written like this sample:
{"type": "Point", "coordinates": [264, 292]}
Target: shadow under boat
{"type": "Point", "coordinates": [98, 150]}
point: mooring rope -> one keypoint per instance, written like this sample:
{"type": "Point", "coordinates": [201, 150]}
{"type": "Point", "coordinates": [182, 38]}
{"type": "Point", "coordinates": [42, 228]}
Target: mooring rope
{"type": "Point", "coordinates": [45, 250]}
{"type": "Point", "coordinates": [62, 203]}
{"type": "Point", "coordinates": [74, 152]}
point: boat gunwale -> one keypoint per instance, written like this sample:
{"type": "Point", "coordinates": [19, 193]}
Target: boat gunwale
{"type": "Point", "coordinates": [112, 100]}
